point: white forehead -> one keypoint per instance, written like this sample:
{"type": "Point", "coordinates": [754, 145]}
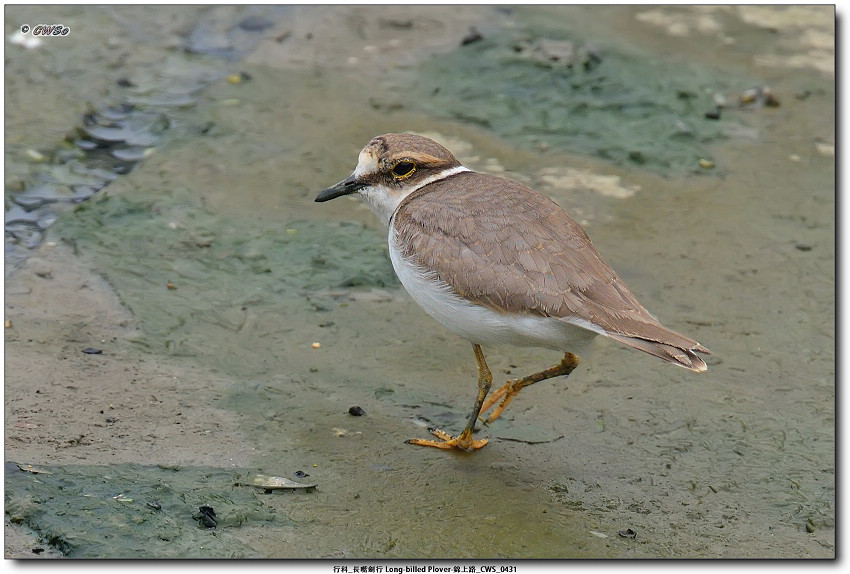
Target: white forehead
{"type": "Point", "coordinates": [367, 163]}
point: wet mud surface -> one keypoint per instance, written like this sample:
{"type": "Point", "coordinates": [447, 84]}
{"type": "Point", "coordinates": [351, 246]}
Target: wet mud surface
{"type": "Point", "coordinates": [239, 323]}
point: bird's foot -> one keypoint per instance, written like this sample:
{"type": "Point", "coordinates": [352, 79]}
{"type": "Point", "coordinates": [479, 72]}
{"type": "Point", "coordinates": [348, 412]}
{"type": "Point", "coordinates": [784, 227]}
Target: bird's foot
{"type": "Point", "coordinates": [503, 395]}
{"type": "Point", "coordinates": [463, 442]}
{"type": "Point", "coordinates": [506, 393]}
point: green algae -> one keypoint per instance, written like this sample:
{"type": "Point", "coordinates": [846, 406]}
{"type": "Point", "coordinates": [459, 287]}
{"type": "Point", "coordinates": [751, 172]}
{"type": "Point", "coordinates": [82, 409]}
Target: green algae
{"type": "Point", "coordinates": [545, 89]}
{"type": "Point", "coordinates": [183, 270]}
{"type": "Point", "coordinates": [136, 511]}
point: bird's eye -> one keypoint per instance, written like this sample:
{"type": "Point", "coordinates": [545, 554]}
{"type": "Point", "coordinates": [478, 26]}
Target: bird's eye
{"type": "Point", "coordinates": [403, 169]}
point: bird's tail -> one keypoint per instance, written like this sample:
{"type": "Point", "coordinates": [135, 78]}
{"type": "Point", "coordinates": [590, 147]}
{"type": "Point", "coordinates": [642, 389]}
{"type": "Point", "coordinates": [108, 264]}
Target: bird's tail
{"type": "Point", "coordinates": [683, 357]}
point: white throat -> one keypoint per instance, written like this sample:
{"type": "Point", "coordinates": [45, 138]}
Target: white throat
{"type": "Point", "coordinates": [384, 201]}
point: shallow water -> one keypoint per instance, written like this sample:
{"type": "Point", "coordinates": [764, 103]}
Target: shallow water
{"type": "Point", "coordinates": [215, 245]}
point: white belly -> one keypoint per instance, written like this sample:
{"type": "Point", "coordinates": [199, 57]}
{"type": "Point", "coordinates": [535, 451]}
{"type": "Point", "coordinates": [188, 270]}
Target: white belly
{"type": "Point", "coordinates": [481, 325]}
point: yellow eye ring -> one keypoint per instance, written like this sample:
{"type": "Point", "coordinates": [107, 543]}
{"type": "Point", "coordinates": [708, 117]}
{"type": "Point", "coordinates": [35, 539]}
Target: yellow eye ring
{"type": "Point", "coordinates": [403, 169]}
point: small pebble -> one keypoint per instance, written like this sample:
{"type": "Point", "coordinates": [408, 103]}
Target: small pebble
{"type": "Point", "coordinates": [825, 149]}
{"type": "Point", "coordinates": [628, 533]}
{"type": "Point", "coordinates": [316, 345]}
{"type": "Point", "coordinates": [82, 192]}
{"type": "Point", "coordinates": [206, 517]}
{"type": "Point", "coordinates": [47, 220]}
{"type": "Point", "coordinates": [27, 202]}
{"type": "Point", "coordinates": [255, 23]}
{"type": "Point", "coordinates": [131, 154]}
{"type": "Point", "coordinates": [300, 474]}
{"type": "Point", "coordinates": [356, 412]}
{"type": "Point", "coordinates": [36, 155]}
{"type": "Point", "coordinates": [473, 36]}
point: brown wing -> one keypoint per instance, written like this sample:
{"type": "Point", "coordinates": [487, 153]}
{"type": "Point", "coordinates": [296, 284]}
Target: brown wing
{"type": "Point", "coordinates": [521, 250]}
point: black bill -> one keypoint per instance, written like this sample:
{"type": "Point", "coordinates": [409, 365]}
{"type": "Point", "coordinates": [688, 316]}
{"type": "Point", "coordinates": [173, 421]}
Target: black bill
{"type": "Point", "coordinates": [345, 187]}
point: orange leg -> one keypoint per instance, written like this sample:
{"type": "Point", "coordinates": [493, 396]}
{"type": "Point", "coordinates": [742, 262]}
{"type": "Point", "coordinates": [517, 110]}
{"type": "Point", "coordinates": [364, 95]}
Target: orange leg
{"type": "Point", "coordinates": [464, 441]}
{"type": "Point", "coordinates": [509, 390]}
